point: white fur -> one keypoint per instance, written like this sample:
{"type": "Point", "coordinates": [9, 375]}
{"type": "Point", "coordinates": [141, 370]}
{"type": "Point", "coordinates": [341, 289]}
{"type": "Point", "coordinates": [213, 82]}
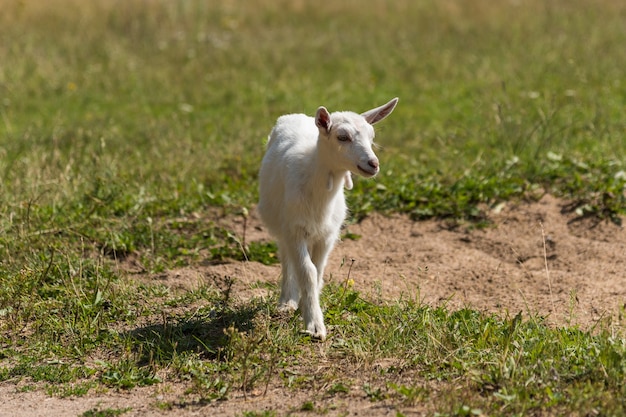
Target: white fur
{"type": "Point", "coordinates": [307, 164]}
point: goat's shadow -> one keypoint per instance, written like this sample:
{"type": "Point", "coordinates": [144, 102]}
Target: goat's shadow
{"type": "Point", "coordinates": [201, 333]}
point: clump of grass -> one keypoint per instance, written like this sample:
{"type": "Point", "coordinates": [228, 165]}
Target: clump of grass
{"type": "Point", "coordinates": [105, 412]}
{"type": "Point", "coordinates": [518, 364]}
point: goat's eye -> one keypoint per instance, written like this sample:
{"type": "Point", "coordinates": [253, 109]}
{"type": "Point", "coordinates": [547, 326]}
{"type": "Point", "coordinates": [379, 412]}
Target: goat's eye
{"type": "Point", "coordinates": [343, 138]}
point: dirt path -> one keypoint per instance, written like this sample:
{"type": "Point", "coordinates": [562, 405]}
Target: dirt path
{"type": "Point", "coordinates": [538, 258]}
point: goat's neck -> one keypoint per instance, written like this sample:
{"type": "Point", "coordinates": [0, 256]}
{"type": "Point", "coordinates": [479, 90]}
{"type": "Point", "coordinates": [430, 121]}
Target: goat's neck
{"type": "Point", "coordinates": [327, 176]}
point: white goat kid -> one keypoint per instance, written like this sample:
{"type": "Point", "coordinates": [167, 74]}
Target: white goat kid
{"type": "Point", "coordinates": [307, 164]}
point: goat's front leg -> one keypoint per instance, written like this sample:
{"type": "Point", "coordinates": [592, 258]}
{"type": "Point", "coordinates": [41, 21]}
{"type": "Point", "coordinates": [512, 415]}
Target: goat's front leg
{"type": "Point", "coordinates": [306, 275]}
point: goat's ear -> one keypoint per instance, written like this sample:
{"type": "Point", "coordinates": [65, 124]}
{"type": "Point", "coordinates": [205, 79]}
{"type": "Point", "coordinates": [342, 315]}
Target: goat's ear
{"type": "Point", "coordinates": [322, 119]}
{"type": "Point", "coordinates": [379, 113]}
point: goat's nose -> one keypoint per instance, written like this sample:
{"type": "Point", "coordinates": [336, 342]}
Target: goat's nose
{"type": "Point", "coordinates": [373, 163]}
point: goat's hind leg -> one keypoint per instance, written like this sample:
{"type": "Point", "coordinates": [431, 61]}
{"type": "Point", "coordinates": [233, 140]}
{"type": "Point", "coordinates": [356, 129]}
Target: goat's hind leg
{"type": "Point", "coordinates": [289, 290]}
{"type": "Point", "coordinates": [306, 275]}
{"type": "Point", "coordinates": [319, 256]}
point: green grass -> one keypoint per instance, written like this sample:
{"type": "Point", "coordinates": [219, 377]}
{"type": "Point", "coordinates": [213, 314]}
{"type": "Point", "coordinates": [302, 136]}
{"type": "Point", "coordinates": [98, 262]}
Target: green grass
{"type": "Point", "coordinates": [126, 127]}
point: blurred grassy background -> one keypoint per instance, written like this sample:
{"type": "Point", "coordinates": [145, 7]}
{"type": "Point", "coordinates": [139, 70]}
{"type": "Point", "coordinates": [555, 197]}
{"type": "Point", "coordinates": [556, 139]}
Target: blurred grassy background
{"type": "Point", "coordinates": [170, 97]}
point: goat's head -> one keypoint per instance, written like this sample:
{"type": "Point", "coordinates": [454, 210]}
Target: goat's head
{"type": "Point", "coordinates": [351, 137]}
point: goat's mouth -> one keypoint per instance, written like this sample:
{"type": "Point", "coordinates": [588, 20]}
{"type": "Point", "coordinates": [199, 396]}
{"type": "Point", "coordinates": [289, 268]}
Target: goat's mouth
{"type": "Point", "coordinates": [367, 172]}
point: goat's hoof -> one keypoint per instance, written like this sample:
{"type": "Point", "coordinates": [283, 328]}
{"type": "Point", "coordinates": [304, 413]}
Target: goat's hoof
{"type": "Point", "coordinates": [314, 336]}
{"type": "Point", "coordinates": [316, 332]}
{"type": "Point", "coordinates": [287, 307]}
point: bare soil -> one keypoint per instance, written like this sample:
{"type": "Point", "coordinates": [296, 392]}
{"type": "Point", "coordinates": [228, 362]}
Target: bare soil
{"type": "Point", "coordinates": [538, 258]}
